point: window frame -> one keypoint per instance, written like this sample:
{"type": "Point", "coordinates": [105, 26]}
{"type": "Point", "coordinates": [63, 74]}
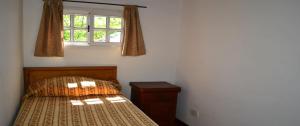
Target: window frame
{"type": "Point", "coordinates": [90, 28]}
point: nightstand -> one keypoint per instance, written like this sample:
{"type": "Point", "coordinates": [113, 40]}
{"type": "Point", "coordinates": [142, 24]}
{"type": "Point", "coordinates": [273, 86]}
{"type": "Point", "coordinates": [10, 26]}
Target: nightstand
{"type": "Point", "coordinates": [156, 99]}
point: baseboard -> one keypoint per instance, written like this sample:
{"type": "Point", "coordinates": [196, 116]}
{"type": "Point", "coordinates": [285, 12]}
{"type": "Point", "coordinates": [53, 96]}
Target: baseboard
{"type": "Point", "coordinates": [180, 123]}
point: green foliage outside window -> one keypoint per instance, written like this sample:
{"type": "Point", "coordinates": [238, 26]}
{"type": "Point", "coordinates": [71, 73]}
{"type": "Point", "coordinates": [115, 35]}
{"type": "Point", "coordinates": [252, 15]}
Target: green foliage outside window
{"type": "Point", "coordinates": [115, 23]}
{"type": "Point", "coordinates": [80, 21]}
{"type": "Point", "coordinates": [80, 35]}
{"type": "Point", "coordinates": [99, 22]}
{"type": "Point", "coordinates": [102, 30]}
{"type": "Point", "coordinates": [67, 35]}
{"type": "Point", "coordinates": [67, 20]}
{"type": "Point", "coordinates": [99, 35]}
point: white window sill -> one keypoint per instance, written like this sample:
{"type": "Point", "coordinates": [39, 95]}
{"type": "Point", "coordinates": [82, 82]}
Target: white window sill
{"type": "Point", "coordinates": [100, 44]}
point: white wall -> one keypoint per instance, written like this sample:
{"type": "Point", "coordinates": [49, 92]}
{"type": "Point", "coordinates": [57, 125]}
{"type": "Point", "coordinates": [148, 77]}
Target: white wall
{"type": "Point", "coordinates": [10, 60]}
{"type": "Point", "coordinates": [160, 23]}
{"type": "Point", "coordinates": [240, 62]}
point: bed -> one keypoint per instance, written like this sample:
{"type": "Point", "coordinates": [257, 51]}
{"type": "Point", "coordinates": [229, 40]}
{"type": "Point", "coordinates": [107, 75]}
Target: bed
{"type": "Point", "coordinates": [76, 96]}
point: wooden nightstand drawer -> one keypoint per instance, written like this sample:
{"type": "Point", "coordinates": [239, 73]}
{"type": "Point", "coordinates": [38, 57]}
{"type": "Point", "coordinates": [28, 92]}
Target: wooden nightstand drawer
{"type": "Point", "coordinates": [157, 100]}
{"type": "Point", "coordinates": [160, 97]}
{"type": "Point", "coordinates": [162, 111]}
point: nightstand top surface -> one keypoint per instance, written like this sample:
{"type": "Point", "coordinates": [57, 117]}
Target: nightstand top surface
{"type": "Point", "coordinates": [144, 86]}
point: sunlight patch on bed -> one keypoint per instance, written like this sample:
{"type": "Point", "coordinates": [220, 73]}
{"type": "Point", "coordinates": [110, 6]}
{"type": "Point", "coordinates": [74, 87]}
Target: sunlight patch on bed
{"type": "Point", "coordinates": [85, 84]}
{"type": "Point", "coordinates": [93, 101]}
{"type": "Point", "coordinates": [72, 85]}
{"type": "Point", "coordinates": [116, 99]}
{"type": "Point", "coordinates": [76, 102]}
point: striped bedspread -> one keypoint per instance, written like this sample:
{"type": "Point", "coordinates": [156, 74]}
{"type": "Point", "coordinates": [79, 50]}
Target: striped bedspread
{"type": "Point", "coordinates": [113, 110]}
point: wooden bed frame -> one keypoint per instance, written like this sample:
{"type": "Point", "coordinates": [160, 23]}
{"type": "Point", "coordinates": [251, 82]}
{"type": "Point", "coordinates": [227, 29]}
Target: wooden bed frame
{"type": "Point", "coordinates": [33, 74]}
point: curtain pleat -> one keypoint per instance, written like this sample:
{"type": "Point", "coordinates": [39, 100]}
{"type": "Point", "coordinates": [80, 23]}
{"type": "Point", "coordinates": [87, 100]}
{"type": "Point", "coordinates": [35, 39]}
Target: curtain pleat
{"type": "Point", "coordinates": [49, 41]}
{"type": "Point", "coordinates": [133, 41]}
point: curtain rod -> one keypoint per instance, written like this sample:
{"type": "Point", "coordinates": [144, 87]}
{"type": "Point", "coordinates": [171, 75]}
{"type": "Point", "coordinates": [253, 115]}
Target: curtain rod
{"type": "Point", "coordinates": [75, 1]}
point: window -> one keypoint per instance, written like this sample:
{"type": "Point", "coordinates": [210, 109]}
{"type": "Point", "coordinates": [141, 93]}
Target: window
{"type": "Point", "coordinates": [92, 29]}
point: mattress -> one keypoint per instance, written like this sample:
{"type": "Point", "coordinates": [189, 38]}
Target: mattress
{"type": "Point", "coordinates": [105, 110]}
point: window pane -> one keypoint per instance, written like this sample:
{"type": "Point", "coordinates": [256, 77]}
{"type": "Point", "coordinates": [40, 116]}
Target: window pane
{"type": "Point", "coordinates": [67, 35]}
{"type": "Point", "coordinates": [99, 36]}
{"type": "Point", "coordinates": [100, 22]}
{"type": "Point", "coordinates": [115, 23]}
{"type": "Point", "coordinates": [115, 36]}
{"type": "Point", "coordinates": [80, 21]}
{"type": "Point", "coordinates": [67, 21]}
{"type": "Point", "coordinates": [80, 35]}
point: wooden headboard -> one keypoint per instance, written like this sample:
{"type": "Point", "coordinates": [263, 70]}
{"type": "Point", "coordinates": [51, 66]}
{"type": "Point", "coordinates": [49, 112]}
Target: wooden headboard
{"type": "Point", "coordinates": [33, 74]}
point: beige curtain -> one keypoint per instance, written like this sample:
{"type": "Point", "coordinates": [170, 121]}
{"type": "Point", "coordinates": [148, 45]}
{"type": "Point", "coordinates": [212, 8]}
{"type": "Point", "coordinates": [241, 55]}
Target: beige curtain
{"type": "Point", "coordinates": [49, 42]}
{"type": "Point", "coordinates": [133, 41]}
